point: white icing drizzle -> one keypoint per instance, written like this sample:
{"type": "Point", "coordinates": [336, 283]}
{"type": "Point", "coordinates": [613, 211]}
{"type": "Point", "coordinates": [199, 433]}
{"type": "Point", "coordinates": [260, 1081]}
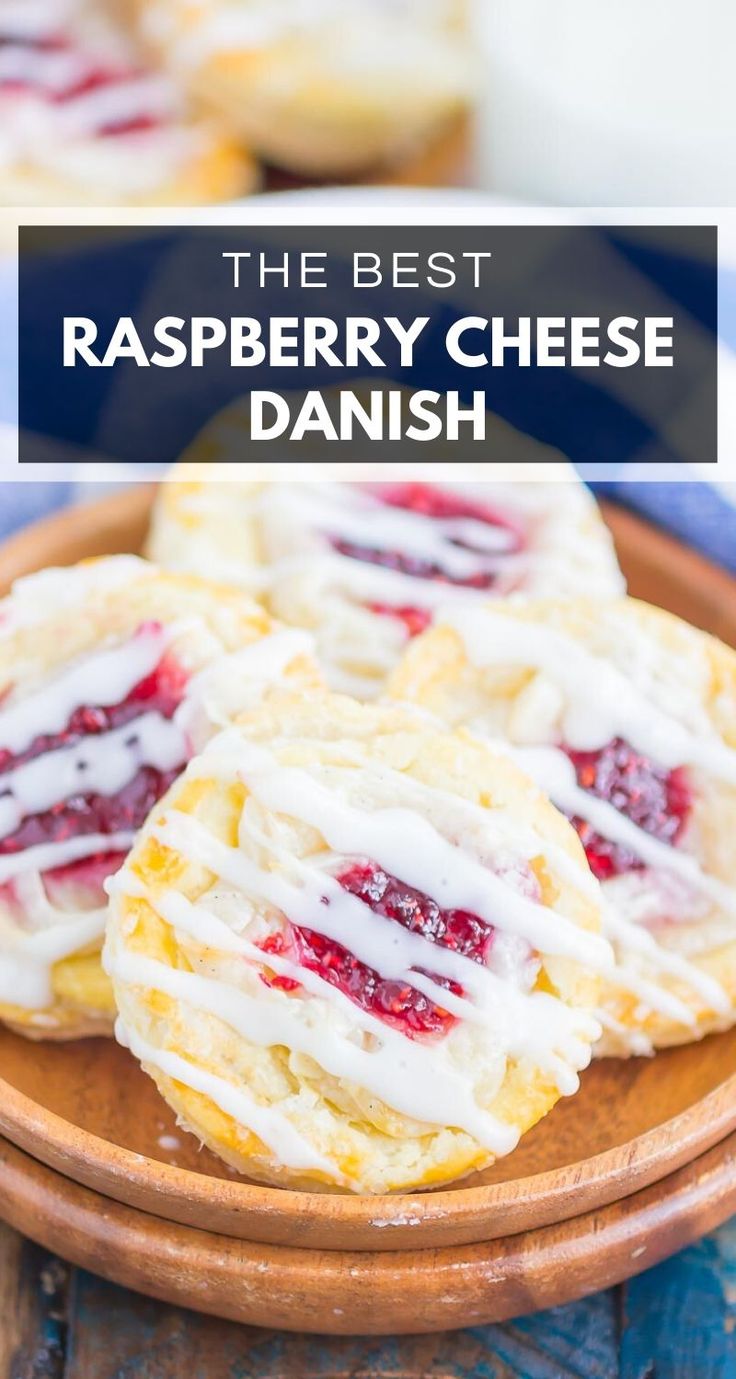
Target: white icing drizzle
{"type": "Point", "coordinates": [104, 679]}
{"type": "Point", "coordinates": [115, 103]}
{"type": "Point", "coordinates": [404, 844]}
{"type": "Point", "coordinates": [555, 773]}
{"type": "Point", "coordinates": [288, 558]}
{"type": "Point", "coordinates": [349, 513]}
{"type": "Point", "coordinates": [31, 19]}
{"type": "Point", "coordinates": [51, 123]}
{"type": "Point", "coordinates": [275, 1130]}
{"type": "Point", "coordinates": [324, 512]}
{"type": "Point", "coordinates": [498, 832]}
{"type": "Point", "coordinates": [633, 939]}
{"type": "Point", "coordinates": [406, 1074]}
{"type": "Point", "coordinates": [224, 27]}
{"type": "Point", "coordinates": [29, 955]}
{"type": "Point", "coordinates": [102, 765]}
{"type": "Point", "coordinates": [309, 581]}
{"type": "Point", "coordinates": [420, 1079]}
{"type": "Point", "coordinates": [635, 1040]}
{"type": "Point", "coordinates": [371, 583]}
{"type": "Point", "coordinates": [601, 704]}
{"type": "Point", "coordinates": [48, 856]}
{"type": "Point", "coordinates": [396, 953]}
{"type": "Point", "coordinates": [233, 682]}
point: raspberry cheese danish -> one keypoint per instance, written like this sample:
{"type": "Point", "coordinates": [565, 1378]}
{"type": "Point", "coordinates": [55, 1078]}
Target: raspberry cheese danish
{"type": "Point", "coordinates": [112, 673]}
{"type": "Point", "coordinates": [83, 122]}
{"type": "Point", "coordinates": [354, 952]}
{"type": "Point", "coordinates": [626, 717]}
{"type": "Point", "coordinates": [324, 88]}
{"type": "Point", "coordinates": [366, 566]}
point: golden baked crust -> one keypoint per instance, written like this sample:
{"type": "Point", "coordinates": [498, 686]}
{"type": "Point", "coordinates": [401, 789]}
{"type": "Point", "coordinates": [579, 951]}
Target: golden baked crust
{"type": "Point", "coordinates": [201, 519]}
{"type": "Point", "coordinates": [217, 170]}
{"type": "Point", "coordinates": [328, 98]}
{"type": "Point", "coordinates": [53, 619]}
{"type": "Point", "coordinates": [684, 678]}
{"type": "Point", "coordinates": [197, 987]}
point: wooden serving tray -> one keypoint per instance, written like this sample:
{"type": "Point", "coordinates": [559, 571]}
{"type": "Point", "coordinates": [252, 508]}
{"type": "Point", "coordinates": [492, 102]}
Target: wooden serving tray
{"type": "Point", "coordinates": [87, 1111]}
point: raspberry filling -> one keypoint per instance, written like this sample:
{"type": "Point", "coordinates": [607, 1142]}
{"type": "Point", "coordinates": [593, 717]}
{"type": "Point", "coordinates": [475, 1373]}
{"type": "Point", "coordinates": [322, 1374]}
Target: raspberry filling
{"type": "Point", "coordinates": [96, 77]}
{"type": "Point", "coordinates": [432, 501]}
{"type": "Point", "coordinates": [415, 620]}
{"type": "Point", "coordinates": [80, 884]}
{"type": "Point", "coordinates": [398, 1003]}
{"type": "Point", "coordinates": [435, 504]}
{"type": "Point", "coordinates": [159, 692]}
{"type": "Point", "coordinates": [655, 799]}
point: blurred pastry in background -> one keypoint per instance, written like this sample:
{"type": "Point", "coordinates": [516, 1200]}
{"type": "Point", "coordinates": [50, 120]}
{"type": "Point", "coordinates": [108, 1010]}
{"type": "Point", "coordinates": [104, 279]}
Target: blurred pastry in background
{"type": "Point", "coordinates": [322, 88]}
{"type": "Point", "coordinates": [84, 121]}
{"type": "Point", "coordinates": [626, 717]}
{"type": "Point", "coordinates": [367, 566]}
{"type": "Point", "coordinates": [112, 673]}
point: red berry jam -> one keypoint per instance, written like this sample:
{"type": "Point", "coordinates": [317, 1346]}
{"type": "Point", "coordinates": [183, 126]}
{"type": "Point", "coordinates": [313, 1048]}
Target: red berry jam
{"type": "Point", "coordinates": [160, 692]}
{"type": "Point", "coordinates": [80, 883]}
{"type": "Point", "coordinates": [436, 505]}
{"type": "Point", "coordinates": [415, 620]}
{"type": "Point", "coordinates": [432, 501]}
{"type": "Point", "coordinates": [655, 799]}
{"type": "Point", "coordinates": [398, 1003]}
{"type": "Point", "coordinates": [95, 76]}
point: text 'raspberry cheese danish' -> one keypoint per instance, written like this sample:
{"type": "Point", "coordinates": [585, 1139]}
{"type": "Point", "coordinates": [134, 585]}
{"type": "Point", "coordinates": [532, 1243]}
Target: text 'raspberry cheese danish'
{"type": "Point", "coordinates": [367, 566]}
{"type": "Point", "coordinates": [353, 952]}
{"type": "Point", "coordinates": [83, 121]}
{"type": "Point", "coordinates": [626, 717]}
{"type": "Point", "coordinates": [112, 674]}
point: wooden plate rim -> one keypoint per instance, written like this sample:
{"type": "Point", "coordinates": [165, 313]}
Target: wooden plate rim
{"type": "Point", "coordinates": [460, 1214]}
{"type": "Point", "coordinates": [358, 1292]}
{"type": "Point", "coordinates": [472, 1214]}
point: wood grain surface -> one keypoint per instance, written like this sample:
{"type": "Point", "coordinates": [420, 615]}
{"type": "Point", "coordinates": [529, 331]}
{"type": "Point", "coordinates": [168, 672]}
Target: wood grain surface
{"type": "Point", "coordinates": [676, 1321]}
{"type": "Point", "coordinates": [89, 1328]}
{"type": "Point", "coordinates": [362, 1292]}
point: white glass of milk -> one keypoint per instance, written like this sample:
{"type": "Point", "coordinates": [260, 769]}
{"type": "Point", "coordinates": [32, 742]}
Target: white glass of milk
{"type": "Point", "coordinates": [610, 102]}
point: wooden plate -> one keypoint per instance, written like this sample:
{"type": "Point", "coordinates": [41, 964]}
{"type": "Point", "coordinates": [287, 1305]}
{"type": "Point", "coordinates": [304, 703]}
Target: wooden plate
{"type": "Point", "coordinates": [364, 1293]}
{"type": "Point", "coordinates": [86, 1110]}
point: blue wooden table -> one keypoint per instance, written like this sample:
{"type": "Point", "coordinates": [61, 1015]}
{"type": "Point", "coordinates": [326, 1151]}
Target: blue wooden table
{"type": "Point", "coordinates": [677, 1321]}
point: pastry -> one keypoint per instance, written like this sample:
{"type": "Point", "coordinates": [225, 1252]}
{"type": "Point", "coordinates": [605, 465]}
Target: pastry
{"type": "Point", "coordinates": [626, 717]}
{"type": "Point", "coordinates": [84, 122]}
{"type": "Point", "coordinates": [326, 88]}
{"type": "Point", "coordinates": [353, 951]}
{"type": "Point", "coordinates": [366, 566]}
{"type": "Point", "coordinates": [112, 673]}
